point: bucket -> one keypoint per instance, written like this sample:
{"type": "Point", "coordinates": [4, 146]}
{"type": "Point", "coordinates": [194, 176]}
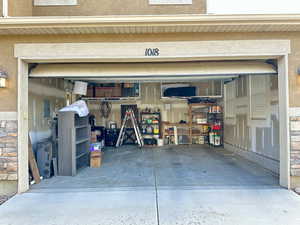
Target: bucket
{"type": "Point", "coordinates": [80, 88]}
{"type": "Point", "coordinates": [160, 142]}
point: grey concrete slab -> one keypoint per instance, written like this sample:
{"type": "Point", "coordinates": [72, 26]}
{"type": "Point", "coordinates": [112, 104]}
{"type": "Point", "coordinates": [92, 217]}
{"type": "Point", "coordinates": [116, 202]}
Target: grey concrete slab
{"type": "Point", "coordinates": [81, 208]}
{"type": "Point", "coordinates": [127, 166]}
{"type": "Point", "coordinates": [179, 166]}
{"type": "Point", "coordinates": [229, 207]}
{"type": "Point", "coordinates": [226, 206]}
{"type": "Point", "coordinates": [203, 166]}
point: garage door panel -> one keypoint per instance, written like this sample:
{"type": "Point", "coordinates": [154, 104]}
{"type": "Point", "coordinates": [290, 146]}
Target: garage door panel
{"type": "Point", "coordinates": [180, 71]}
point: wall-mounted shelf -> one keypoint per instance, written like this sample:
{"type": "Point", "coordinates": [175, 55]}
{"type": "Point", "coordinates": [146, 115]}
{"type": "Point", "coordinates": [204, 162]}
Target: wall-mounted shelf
{"type": "Point", "coordinates": [115, 99]}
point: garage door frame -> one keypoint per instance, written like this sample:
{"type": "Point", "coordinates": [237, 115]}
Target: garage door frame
{"type": "Point", "coordinates": [134, 52]}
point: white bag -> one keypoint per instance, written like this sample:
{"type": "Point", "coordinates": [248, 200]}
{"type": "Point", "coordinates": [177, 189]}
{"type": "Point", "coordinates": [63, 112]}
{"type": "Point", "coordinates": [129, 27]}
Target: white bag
{"type": "Point", "coordinates": [79, 107]}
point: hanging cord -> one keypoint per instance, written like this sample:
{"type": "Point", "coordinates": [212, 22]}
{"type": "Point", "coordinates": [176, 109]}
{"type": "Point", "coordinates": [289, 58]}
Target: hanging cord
{"type": "Point", "coordinates": [105, 109]}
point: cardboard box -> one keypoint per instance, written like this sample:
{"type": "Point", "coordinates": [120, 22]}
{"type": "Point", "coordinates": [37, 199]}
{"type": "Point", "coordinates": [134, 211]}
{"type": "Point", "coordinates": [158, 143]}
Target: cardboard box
{"type": "Point", "coordinates": [90, 92]}
{"type": "Point", "coordinates": [95, 159]}
{"type": "Point", "coordinates": [116, 91]}
{"type": "Point", "coordinates": [108, 91]}
{"type": "Point", "coordinates": [103, 92]}
{"type": "Point", "coordinates": [128, 85]}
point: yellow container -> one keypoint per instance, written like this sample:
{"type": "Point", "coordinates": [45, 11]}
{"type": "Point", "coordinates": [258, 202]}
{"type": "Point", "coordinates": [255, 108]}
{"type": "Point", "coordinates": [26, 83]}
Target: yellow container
{"type": "Point", "coordinates": [156, 131]}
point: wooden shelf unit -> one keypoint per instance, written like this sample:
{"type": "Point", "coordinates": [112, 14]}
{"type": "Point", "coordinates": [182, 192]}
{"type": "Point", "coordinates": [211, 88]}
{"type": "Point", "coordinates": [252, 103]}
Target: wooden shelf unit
{"type": "Point", "coordinates": [193, 125]}
{"type": "Point", "coordinates": [176, 127]}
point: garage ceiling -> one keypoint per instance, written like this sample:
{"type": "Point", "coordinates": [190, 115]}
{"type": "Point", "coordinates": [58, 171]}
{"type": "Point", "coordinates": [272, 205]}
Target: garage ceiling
{"type": "Point", "coordinates": [149, 72]}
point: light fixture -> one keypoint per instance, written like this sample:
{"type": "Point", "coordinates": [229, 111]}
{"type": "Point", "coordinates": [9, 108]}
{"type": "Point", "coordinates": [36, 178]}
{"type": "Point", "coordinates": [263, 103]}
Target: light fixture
{"type": "Point", "coordinates": [3, 78]}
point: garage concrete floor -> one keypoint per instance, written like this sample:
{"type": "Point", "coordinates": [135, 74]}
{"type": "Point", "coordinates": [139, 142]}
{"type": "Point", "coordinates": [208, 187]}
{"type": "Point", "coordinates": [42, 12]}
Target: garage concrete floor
{"type": "Point", "coordinates": [167, 167]}
{"type": "Point", "coordinates": [167, 186]}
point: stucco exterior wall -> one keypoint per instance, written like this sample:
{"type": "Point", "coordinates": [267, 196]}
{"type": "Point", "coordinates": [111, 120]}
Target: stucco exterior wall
{"type": "Point", "coordinates": [1, 8]}
{"type": "Point", "coordinates": [9, 63]}
{"type": "Point", "coordinates": [20, 8]}
{"type": "Point", "coordinates": [119, 7]}
{"type": "Point", "coordinates": [8, 96]}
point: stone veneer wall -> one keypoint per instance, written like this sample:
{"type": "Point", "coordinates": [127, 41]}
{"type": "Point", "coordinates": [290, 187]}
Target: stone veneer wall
{"type": "Point", "coordinates": [295, 145]}
{"type": "Point", "coordinates": [8, 150]}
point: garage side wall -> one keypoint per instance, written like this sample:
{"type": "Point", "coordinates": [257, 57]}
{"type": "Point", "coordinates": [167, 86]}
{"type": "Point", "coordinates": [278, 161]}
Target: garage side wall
{"type": "Point", "coordinates": [46, 97]}
{"type": "Point", "coordinates": [252, 119]}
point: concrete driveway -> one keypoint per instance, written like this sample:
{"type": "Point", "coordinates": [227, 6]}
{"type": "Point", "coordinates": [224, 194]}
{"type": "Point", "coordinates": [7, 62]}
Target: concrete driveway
{"type": "Point", "coordinates": [172, 186]}
{"type": "Point", "coordinates": [166, 206]}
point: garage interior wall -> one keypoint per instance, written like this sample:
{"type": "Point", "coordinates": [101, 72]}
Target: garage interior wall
{"type": "Point", "coordinates": [252, 119]}
{"type": "Point", "coordinates": [44, 93]}
{"type": "Point", "coordinates": [173, 110]}
{"type": "Point", "coordinates": [150, 98]}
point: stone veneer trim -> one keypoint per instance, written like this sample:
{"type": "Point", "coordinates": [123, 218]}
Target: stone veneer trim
{"type": "Point", "coordinates": [295, 145]}
{"type": "Point", "coordinates": [8, 150]}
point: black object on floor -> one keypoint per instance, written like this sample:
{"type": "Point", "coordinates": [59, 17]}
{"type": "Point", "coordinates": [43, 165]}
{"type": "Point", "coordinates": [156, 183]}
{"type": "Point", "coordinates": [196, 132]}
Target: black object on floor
{"type": "Point", "coordinates": [111, 136]}
{"type": "Point", "coordinates": [44, 158]}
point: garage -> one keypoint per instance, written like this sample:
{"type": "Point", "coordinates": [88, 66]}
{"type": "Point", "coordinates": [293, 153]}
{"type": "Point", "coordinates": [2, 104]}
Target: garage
{"type": "Point", "coordinates": [189, 124]}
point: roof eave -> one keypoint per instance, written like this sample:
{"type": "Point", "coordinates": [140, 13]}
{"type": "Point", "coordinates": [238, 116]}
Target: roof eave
{"type": "Point", "coordinates": [150, 24]}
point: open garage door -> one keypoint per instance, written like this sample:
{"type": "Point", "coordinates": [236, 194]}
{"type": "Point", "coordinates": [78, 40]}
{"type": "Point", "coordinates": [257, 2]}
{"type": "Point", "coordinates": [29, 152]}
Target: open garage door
{"type": "Point", "coordinates": [149, 72]}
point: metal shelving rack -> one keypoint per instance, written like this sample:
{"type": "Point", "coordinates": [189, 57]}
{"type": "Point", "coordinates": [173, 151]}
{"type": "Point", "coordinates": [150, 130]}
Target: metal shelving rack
{"type": "Point", "coordinates": [73, 143]}
{"type": "Point", "coordinates": [201, 108]}
{"type": "Point", "coordinates": [216, 117]}
{"type": "Point", "coordinates": [146, 115]}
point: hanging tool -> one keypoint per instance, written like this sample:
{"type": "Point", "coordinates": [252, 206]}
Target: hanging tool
{"type": "Point", "coordinates": [129, 115]}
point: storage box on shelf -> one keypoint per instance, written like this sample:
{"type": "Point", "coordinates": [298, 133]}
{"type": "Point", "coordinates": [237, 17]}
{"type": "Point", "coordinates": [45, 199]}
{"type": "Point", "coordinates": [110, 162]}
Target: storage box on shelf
{"type": "Point", "coordinates": [108, 91]}
{"type": "Point", "coordinates": [215, 118]}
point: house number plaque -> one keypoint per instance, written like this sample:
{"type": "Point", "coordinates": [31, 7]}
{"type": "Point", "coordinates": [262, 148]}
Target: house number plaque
{"type": "Point", "coordinates": [152, 52]}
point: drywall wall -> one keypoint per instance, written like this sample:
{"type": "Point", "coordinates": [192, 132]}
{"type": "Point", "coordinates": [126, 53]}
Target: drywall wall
{"type": "Point", "coordinates": [252, 120]}
{"type": "Point", "coordinates": [44, 91]}
{"type": "Point", "coordinates": [171, 110]}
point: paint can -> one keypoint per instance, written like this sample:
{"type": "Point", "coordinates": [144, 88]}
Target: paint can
{"type": "Point", "coordinates": [160, 142]}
